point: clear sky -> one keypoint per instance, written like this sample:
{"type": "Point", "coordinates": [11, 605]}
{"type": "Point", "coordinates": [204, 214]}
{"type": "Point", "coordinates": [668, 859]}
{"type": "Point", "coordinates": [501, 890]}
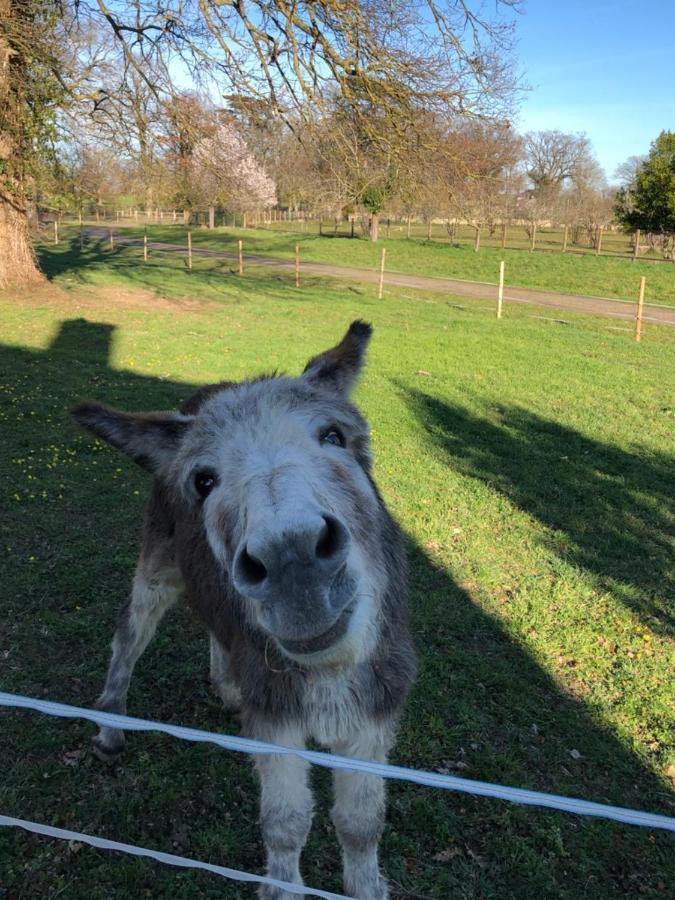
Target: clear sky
{"type": "Point", "coordinates": [604, 67]}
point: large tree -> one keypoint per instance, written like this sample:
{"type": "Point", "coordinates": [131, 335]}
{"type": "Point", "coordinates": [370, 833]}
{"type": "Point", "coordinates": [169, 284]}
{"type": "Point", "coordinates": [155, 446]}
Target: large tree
{"type": "Point", "coordinates": [385, 56]}
{"type": "Point", "coordinates": [29, 93]}
{"type": "Point", "coordinates": [648, 202]}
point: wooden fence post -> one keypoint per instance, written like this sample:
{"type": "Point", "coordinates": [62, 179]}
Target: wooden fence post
{"type": "Point", "coordinates": [598, 241]}
{"type": "Point", "coordinates": [381, 288]}
{"type": "Point", "coordinates": [297, 265]}
{"type": "Point", "coordinates": [56, 231]}
{"type": "Point", "coordinates": [564, 246]}
{"type": "Point", "coordinates": [476, 245]}
{"type": "Point", "coordinates": [638, 313]}
{"type": "Point", "coordinates": [636, 248]}
{"type": "Point", "coordinates": [503, 235]}
{"type": "Point", "coordinates": [500, 291]}
{"type": "Point", "coordinates": [189, 249]}
{"type": "Point", "coordinates": [241, 257]}
{"type": "Point", "coordinates": [145, 246]}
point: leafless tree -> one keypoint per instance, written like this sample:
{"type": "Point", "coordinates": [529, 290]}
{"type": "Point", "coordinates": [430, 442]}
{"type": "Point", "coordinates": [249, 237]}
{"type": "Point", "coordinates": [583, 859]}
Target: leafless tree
{"type": "Point", "coordinates": [554, 158]}
{"type": "Point", "coordinates": [384, 55]}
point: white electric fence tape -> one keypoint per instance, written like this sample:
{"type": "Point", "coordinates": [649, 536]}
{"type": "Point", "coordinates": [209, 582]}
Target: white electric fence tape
{"type": "Point", "coordinates": [332, 761]}
{"type": "Point", "coordinates": [168, 858]}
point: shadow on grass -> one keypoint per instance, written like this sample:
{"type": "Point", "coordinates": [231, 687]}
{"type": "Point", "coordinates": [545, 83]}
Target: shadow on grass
{"type": "Point", "coordinates": [72, 536]}
{"type": "Point", "coordinates": [613, 508]}
{"type": "Point", "coordinates": [167, 273]}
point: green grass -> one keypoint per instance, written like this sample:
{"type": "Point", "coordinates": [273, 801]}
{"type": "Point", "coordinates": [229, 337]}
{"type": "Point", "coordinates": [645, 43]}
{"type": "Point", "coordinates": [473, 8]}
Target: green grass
{"type": "Point", "coordinates": [603, 276]}
{"type": "Point", "coordinates": [531, 464]}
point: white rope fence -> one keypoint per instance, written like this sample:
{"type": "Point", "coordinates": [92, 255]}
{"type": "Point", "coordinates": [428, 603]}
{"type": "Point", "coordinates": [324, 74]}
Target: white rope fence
{"type": "Point", "coordinates": [327, 760]}
{"type": "Point", "coordinates": [167, 858]}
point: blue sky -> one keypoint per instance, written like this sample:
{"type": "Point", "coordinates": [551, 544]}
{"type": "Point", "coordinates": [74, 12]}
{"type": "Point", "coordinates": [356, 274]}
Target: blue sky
{"type": "Point", "coordinates": [605, 68]}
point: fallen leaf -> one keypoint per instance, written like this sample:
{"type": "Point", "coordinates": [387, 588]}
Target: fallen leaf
{"type": "Point", "coordinates": [447, 855]}
{"type": "Point", "coordinates": [72, 757]}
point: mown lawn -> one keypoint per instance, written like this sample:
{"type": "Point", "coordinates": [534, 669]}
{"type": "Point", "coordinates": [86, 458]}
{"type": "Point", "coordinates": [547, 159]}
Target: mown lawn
{"type": "Point", "coordinates": [531, 464]}
{"type": "Point", "coordinates": [603, 276]}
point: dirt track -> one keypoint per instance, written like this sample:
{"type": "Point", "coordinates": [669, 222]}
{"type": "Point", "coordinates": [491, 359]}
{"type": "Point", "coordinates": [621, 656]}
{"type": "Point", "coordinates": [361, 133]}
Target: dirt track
{"type": "Point", "coordinates": [599, 306]}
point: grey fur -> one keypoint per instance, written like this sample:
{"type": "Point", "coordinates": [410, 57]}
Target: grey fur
{"type": "Point", "coordinates": [339, 676]}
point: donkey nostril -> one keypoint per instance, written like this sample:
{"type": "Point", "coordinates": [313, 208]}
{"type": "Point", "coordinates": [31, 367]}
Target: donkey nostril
{"type": "Point", "coordinates": [251, 568]}
{"type": "Point", "coordinates": [331, 540]}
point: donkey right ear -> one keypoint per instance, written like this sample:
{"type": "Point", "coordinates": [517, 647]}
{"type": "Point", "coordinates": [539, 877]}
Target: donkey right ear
{"type": "Point", "coordinates": [150, 439]}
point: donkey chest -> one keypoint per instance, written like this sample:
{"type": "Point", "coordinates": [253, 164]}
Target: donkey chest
{"type": "Point", "coordinates": [332, 708]}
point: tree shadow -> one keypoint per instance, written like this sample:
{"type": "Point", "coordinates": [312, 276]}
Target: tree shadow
{"type": "Point", "coordinates": [167, 274]}
{"type": "Point", "coordinates": [481, 701]}
{"type": "Point", "coordinates": [615, 508]}
{"type": "Point", "coordinates": [74, 257]}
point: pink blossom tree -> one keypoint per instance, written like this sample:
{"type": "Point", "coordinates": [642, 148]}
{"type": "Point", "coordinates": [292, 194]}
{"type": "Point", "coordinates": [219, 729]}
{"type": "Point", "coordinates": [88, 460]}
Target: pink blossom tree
{"type": "Point", "coordinates": [225, 172]}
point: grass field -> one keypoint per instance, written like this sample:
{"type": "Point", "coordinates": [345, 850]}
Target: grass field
{"type": "Point", "coordinates": [603, 276]}
{"type": "Point", "coordinates": [531, 465]}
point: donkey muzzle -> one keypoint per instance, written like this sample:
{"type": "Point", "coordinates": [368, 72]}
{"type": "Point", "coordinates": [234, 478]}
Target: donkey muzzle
{"type": "Point", "coordinates": [298, 576]}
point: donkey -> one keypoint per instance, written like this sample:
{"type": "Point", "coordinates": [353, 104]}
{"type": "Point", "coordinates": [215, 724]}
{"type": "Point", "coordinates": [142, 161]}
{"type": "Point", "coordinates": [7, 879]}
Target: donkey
{"type": "Point", "coordinates": [265, 518]}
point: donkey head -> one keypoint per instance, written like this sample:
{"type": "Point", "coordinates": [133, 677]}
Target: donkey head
{"type": "Point", "coordinates": [276, 473]}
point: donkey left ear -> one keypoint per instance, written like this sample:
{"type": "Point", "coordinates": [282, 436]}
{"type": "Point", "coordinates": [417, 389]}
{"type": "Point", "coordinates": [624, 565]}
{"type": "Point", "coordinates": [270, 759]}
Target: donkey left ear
{"type": "Point", "coordinates": [150, 439]}
{"type": "Point", "coordinates": [340, 366]}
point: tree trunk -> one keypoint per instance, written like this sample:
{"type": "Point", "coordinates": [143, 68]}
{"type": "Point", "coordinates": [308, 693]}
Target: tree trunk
{"type": "Point", "coordinates": [18, 266]}
{"type": "Point", "coordinates": [476, 244]}
{"type": "Point", "coordinates": [374, 227]}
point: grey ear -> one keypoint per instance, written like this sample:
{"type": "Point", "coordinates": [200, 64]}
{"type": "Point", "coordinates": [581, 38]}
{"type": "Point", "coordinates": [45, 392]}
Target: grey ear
{"type": "Point", "coordinates": [150, 439]}
{"type": "Point", "coordinates": [340, 366]}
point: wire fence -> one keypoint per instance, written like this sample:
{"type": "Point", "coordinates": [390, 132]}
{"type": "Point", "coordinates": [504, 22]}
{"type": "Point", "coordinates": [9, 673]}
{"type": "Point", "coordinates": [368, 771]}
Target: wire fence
{"type": "Point", "coordinates": [576, 238]}
{"type": "Point", "coordinates": [319, 758]}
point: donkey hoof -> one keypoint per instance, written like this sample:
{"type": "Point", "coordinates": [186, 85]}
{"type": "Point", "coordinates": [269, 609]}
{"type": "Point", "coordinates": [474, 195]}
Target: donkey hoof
{"type": "Point", "coordinates": [107, 753]}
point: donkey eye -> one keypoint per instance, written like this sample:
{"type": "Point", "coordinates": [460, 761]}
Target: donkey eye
{"type": "Point", "coordinates": [205, 481]}
{"type": "Point", "coordinates": [333, 436]}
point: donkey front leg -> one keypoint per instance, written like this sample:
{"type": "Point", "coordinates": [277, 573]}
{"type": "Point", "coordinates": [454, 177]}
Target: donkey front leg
{"type": "Point", "coordinates": [156, 587]}
{"type": "Point", "coordinates": [358, 812]}
{"type": "Point", "coordinates": [221, 676]}
{"type": "Point", "coordinates": [286, 808]}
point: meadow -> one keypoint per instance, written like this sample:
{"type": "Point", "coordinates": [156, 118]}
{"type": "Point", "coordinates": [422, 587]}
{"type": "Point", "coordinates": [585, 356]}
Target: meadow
{"type": "Point", "coordinates": [572, 273]}
{"type": "Point", "coordinates": [530, 462]}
